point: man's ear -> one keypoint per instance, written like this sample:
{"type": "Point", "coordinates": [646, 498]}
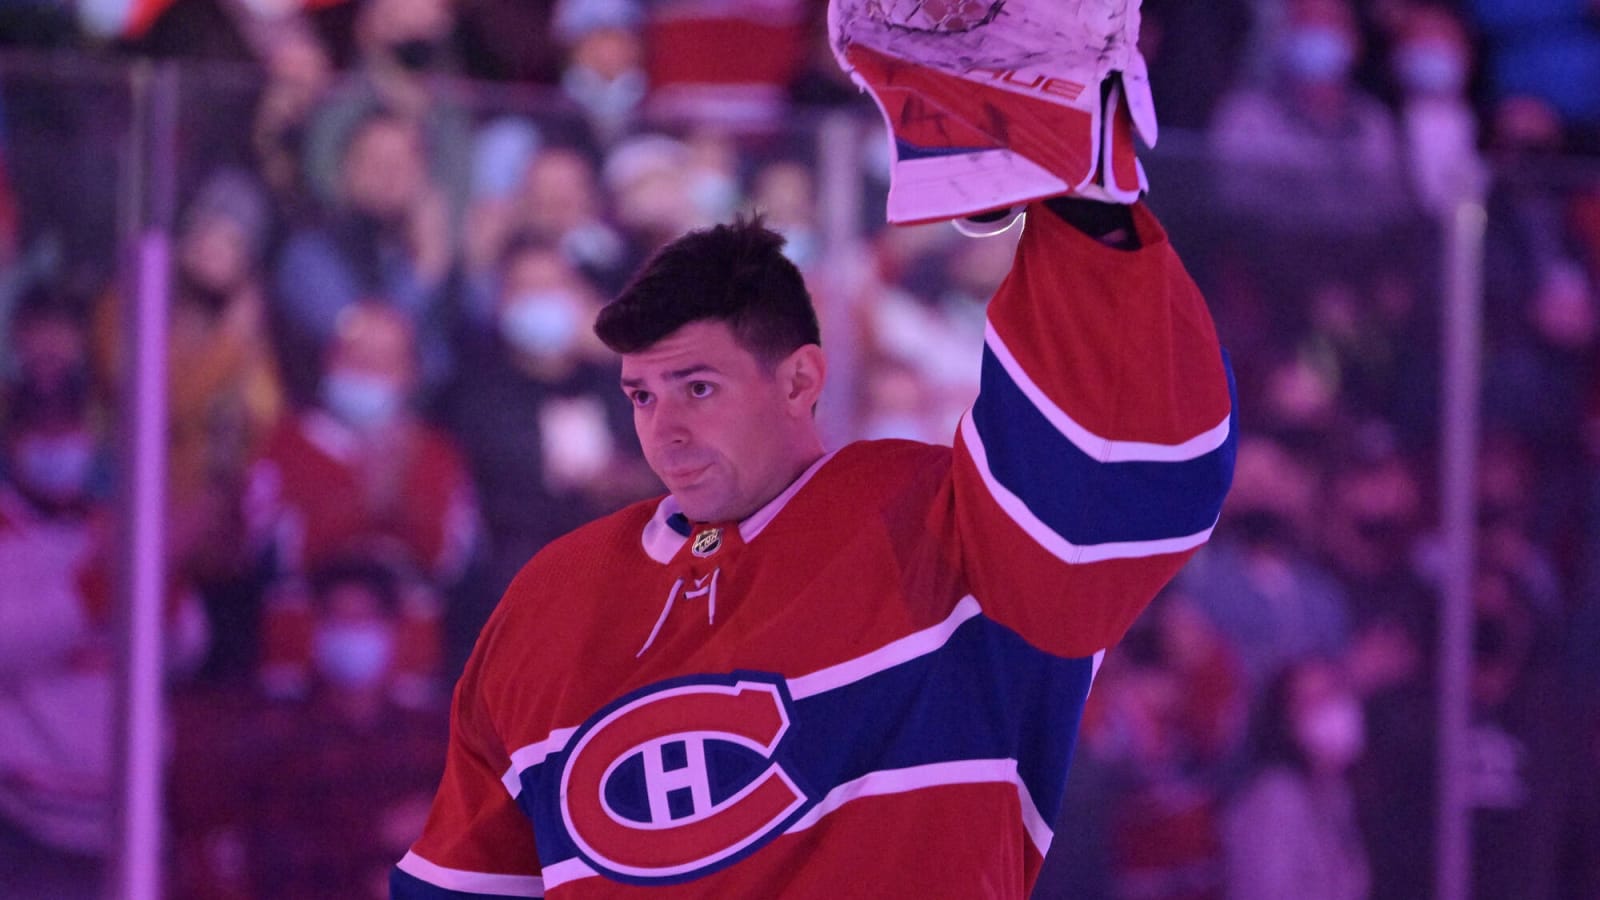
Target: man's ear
{"type": "Point", "coordinates": [801, 376]}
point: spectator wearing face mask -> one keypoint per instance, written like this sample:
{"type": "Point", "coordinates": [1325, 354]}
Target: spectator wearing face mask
{"type": "Point", "coordinates": [360, 469]}
{"type": "Point", "coordinates": [603, 74]}
{"type": "Point", "coordinates": [56, 638]}
{"type": "Point", "coordinates": [534, 408]}
{"type": "Point", "coordinates": [1291, 831]}
{"type": "Point", "coordinates": [55, 765]}
{"type": "Point", "coordinates": [1310, 133]}
{"type": "Point", "coordinates": [310, 799]}
{"type": "Point", "coordinates": [1432, 64]}
{"type": "Point", "coordinates": [401, 48]}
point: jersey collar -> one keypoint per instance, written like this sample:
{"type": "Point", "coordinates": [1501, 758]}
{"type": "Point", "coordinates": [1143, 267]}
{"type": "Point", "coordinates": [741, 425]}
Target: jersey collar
{"type": "Point", "coordinates": [668, 528]}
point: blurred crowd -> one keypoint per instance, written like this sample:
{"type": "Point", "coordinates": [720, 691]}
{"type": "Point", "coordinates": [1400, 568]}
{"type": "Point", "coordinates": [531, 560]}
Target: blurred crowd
{"type": "Point", "coordinates": [393, 221]}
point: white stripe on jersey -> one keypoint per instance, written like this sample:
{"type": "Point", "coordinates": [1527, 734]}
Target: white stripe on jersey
{"type": "Point", "coordinates": [471, 882]}
{"type": "Point", "coordinates": [525, 758]}
{"type": "Point", "coordinates": [916, 778]}
{"type": "Point", "coordinates": [1097, 447]}
{"type": "Point", "coordinates": [1046, 537]}
{"type": "Point", "coordinates": [913, 645]}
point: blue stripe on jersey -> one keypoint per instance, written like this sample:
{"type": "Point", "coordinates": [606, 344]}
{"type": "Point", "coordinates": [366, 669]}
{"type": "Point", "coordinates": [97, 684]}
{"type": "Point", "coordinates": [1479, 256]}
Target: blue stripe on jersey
{"type": "Point", "coordinates": [1086, 501]}
{"type": "Point", "coordinates": [403, 886]}
{"type": "Point", "coordinates": [985, 694]}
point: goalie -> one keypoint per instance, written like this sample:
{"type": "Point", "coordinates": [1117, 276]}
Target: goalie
{"type": "Point", "coordinates": [859, 672]}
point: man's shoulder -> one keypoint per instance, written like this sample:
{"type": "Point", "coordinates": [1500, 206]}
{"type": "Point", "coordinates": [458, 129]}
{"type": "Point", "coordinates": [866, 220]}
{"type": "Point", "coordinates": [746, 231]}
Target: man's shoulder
{"type": "Point", "coordinates": [885, 466]}
{"type": "Point", "coordinates": [564, 596]}
{"type": "Point", "coordinates": [602, 548]}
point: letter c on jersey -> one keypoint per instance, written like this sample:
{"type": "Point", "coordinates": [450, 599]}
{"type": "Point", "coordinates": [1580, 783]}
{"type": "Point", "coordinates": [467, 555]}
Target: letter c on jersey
{"type": "Point", "coordinates": [665, 746]}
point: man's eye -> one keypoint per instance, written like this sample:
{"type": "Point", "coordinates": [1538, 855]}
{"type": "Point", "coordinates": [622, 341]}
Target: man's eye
{"type": "Point", "coordinates": [700, 389]}
{"type": "Point", "coordinates": [641, 398]}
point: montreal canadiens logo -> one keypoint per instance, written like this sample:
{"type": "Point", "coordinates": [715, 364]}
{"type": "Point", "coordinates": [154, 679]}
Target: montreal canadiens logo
{"type": "Point", "coordinates": [680, 780]}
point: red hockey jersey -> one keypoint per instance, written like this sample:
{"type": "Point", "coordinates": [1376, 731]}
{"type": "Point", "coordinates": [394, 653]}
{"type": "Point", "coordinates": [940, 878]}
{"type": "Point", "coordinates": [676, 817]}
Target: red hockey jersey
{"type": "Point", "coordinates": [871, 687]}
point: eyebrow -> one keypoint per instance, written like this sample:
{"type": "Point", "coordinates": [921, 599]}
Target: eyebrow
{"type": "Point", "coordinates": [676, 374]}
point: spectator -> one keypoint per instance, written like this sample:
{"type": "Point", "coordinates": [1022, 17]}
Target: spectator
{"type": "Point", "coordinates": [360, 471]}
{"type": "Point", "coordinates": [784, 193]}
{"type": "Point", "coordinates": [819, 83]}
{"type": "Point", "coordinates": [604, 72]}
{"type": "Point", "coordinates": [389, 238]}
{"type": "Point", "coordinates": [1256, 583]}
{"type": "Point", "coordinates": [312, 799]}
{"type": "Point", "coordinates": [561, 202]}
{"type": "Point", "coordinates": [1165, 718]}
{"type": "Point", "coordinates": [1291, 832]}
{"type": "Point", "coordinates": [401, 46]}
{"type": "Point", "coordinates": [502, 150]}
{"type": "Point", "coordinates": [48, 347]}
{"type": "Point", "coordinates": [56, 663]}
{"type": "Point", "coordinates": [924, 328]}
{"type": "Point", "coordinates": [1531, 773]}
{"type": "Point", "coordinates": [224, 391]}
{"type": "Point", "coordinates": [297, 78]}
{"type": "Point", "coordinates": [55, 668]}
{"type": "Point", "coordinates": [1432, 63]}
{"type": "Point", "coordinates": [537, 410]}
{"type": "Point", "coordinates": [1312, 134]}
{"type": "Point", "coordinates": [649, 181]}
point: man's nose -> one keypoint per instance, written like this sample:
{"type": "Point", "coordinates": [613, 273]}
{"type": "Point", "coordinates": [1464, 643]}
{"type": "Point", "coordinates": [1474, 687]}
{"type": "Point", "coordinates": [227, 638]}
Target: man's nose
{"type": "Point", "coordinates": [668, 424]}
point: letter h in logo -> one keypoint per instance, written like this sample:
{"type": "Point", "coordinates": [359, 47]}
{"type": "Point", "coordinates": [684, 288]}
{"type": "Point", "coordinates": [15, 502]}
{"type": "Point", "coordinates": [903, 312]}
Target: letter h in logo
{"type": "Point", "coordinates": [675, 778]}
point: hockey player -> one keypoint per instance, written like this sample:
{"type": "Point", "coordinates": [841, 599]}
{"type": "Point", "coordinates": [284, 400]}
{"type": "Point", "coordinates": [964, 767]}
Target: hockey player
{"type": "Point", "coordinates": [859, 673]}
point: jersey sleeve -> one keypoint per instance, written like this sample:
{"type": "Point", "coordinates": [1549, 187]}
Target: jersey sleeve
{"type": "Point", "coordinates": [1097, 455]}
{"type": "Point", "coordinates": [477, 842]}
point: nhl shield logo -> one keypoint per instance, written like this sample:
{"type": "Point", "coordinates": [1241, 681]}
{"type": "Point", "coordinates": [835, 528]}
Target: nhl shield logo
{"type": "Point", "coordinates": [706, 542]}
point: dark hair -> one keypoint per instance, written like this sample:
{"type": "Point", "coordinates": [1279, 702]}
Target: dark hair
{"type": "Point", "coordinates": [733, 273]}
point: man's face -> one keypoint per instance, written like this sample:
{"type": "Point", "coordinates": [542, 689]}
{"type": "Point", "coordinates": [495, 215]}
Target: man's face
{"type": "Point", "coordinates": [716, 424]}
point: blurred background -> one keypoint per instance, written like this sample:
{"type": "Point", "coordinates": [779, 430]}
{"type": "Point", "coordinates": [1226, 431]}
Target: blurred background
{"type": "Point", "coordinates": [294, 307]}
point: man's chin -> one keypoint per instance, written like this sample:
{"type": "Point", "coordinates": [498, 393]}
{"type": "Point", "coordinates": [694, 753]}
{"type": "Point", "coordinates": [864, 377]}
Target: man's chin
{"type": "Point", "coordinates": [693, 504]}
{"type": "Point", "coordinates": [700, 508]}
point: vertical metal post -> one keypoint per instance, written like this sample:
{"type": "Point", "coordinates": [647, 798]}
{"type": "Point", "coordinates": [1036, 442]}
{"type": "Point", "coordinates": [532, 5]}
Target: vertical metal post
{"type": "Point", "coordinates": [141, 735]}
{"type": "Point", "coordinates": [1463, 350]}
{"type": "Point", "coordinates": [839, 212]}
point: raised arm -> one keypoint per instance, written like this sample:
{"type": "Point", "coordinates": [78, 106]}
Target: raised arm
{"type": "Point", "coordinates": [1101, 445]}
